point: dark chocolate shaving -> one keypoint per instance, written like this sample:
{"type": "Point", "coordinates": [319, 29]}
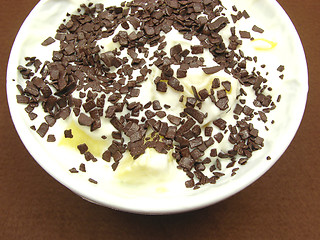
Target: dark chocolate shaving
{"type": "Point", "coordinates": [196, 114]}
{"type": "Point", "coordinates": [212, 70]}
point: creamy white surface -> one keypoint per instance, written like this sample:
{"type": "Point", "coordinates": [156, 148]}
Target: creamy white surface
{"type": "Point", "coordinates": [37, 28]}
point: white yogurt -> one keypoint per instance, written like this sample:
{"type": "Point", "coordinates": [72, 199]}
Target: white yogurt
{"type": "Point", "coordinates": [152, 171]}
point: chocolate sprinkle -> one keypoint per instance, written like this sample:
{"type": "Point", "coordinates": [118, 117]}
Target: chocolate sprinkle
{"type": "Point", "coordinates": [186, 163]}
{"type": "Point", "coordinates": [220, 123]}
{"type": "Point", "coordinates": [51, 138]}
{"type": "Point", "coordinates": [68, 133]}
{"type": "Point", "coordinates": [212, 70]}
{"type": "Point", "coordinates": [257, 29]}
{"type": "Point", "coordinates": [85, 120]}
{"type": "Point", "coordinates": [218, 137]}
{"type": "Point", "coordinates": [92, 181]}
{"type": "Point", "coordinates": [43, 129]}
{"type": "Point", "coordinates": [196, 114]}
{"type": "Point", "coordinates": [280, 68]}
{"type": "Point", "coordinates": [48, 41]}
{"type": "Point", "coordinates": [82, 148]}
{"type": "Point", "coordinates": [82, 167]}
{"type": "Point", "coordinates": [73, 170]}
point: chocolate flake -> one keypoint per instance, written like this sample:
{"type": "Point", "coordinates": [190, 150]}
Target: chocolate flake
{"type": "Point", "coordinates": [161, 86]}
{"type": "Point", "coordinates": [263, 116]}
{"type": "Point", "coordinates": [51, 138]}
{"type": "Point", "coordinates": [222, 103]}
{"type": "Point", "coordinates": [92, 181]}
{"type": "Point", "coordinates": [280, 68]}
{"type": "Point", "coordinates": [226, 85]}
{"type": "Point", "coordinates": [238, 109]}
{"type": "Point", "coordinates": [43, 129]}
{"type": "Point", "coordinates": [85, 120]}
{"type": "Point", "coordinates": [106, 156]}
{"type": "Point", "coordinates": [156, 105]}
{"type": "Point", "coordinates": [212, 70]}
{"type": "Point", "coordinates": [220, 123]}
{"type": "Point", "coordinates": [82, 167]}
{"type": "Point", "coordinates": [73, 170]}
{"type": "Point", "coordinates": [197, 49]}
{"type": "Point", "coordinates": [196, 114]}
{"type": "Point", "coordinates": [174, 120]}
{"type": "Point", "coordinates": [247, 110]}
{"type": "Point", "coordinates": [257, 29]}
{"type": "Point", "coordinates": [215, 83]}
{"type": "Point", "coordinates": [245, 34]}
{"type": "Point", "coordinates": [68, 133]}
{"type": "Point", "coordinates": [186, 163]}
{"type": "Point", "coordinates": [218, 137]}
{"type": "Point", "coordinates": [181, 73]}
{"type": "Point", "coordinates": [175, 84]}
{"type": "Point", "coordinates": [208, 131]}
{"type": "Point", "coordinates": [82, 148]}
{"type": "Point", "coordinates": [203, 94]}
{"type": "Point", "coordinates": [48, 41]}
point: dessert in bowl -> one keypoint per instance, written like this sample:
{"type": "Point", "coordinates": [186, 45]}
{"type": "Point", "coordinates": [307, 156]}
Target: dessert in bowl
{"type": "Point", "coordinates": [157, 107]}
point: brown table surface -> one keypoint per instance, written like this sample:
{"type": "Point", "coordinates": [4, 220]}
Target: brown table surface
{"type": "Point", "coordinates": [283, 204]}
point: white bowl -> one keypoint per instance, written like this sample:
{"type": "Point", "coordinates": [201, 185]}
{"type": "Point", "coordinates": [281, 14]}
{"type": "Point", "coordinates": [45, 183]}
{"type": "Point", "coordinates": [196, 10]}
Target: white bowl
{"type": "Point", "coordinates": [287, 118]}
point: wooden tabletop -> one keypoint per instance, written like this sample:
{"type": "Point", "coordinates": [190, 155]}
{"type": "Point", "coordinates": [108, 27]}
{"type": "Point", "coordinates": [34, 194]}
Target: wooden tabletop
{"type": "Point", "coordinates": [283, 204]}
